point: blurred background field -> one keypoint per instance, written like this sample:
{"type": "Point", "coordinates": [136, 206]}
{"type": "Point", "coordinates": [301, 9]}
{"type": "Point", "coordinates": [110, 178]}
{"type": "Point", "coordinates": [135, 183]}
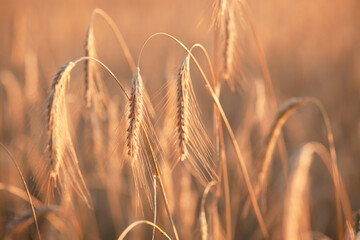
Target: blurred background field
{"type": "Point", "coordinates": [312, 49]}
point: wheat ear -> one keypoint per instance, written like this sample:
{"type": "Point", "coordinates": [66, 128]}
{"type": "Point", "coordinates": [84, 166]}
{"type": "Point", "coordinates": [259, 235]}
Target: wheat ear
{"type": "Point", "coordinates": [63, 166]}
{"type": "Point", "coordinates": [182, 101]}
{"type": "Point", "coordinates": [193, 143]}
{"type": "Point", "coordinates": [283, 114]}
{"type": "Point", "coordinates": [226, 35]}
{"type": "Point", "coordinates": [297, 187]}
{"type": "Point", "coordinates": [95, 95]}
{"type": "Point", "coordinates": [136, 106]}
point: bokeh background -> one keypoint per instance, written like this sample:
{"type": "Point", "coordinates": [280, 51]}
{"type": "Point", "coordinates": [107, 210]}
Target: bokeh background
{"type": "Point", "coordinates": [312, 49]}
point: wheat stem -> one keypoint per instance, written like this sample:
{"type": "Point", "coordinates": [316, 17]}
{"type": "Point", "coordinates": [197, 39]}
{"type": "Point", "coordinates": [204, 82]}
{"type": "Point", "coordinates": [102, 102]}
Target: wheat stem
{"type": "Point", "coordinates": [203, 221]}
{"type": "Point", "coordinates": [118, 34]}
{"type": "Point", "coordinates": [107, 69]}
{"type": "Point", "coordinates": [131, 226]}
{"type": "Point", "coordinates": [158, 176]}
{"type": "Point", "coordinates": [297, 187]}
{"type": "Point", "coordinates": [220, 147]}
{"type": "Point", "coordinates": [155, 207]}
{"type": "Point", "coordinates": [26, 188]}
{"type": "Point", "coordinates": [283, 114]}
{"type": "Point", "coordinates": [268, 83]}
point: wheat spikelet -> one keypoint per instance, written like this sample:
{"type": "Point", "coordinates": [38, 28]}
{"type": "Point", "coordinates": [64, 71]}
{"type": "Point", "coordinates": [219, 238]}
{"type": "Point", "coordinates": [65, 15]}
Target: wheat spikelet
{"type": "Point", "coordinates": [192, 145]}
{"type": "Point", "coordinates": [95, 97]}
{"type": "Point", "coordinates": [95, 94]}
{"type": "Point", "coordinates": [226, 29]}
{"type": "Point", "coordinates": [228, 52]}
{"type": "Point", "coordinates": [62, 168]}
{"type": "Point", "coordinates": [136, 148]}
{"type": "Point", "coordinates": [136, 106]}
{"type": "Point", "coordinates": [182, 111]}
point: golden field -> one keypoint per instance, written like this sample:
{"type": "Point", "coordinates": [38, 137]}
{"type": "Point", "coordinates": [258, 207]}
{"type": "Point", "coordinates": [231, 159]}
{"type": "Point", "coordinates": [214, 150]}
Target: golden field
{"type": "Point", "coordinates": [258, 141]}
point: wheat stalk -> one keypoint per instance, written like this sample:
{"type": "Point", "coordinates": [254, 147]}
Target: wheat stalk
{"type": "Point", "coordinates": [203, 221]}
{"type": "Point", "coordinates": [118, 34]}
{"type": "Point", "coordinates": [282, 115]}
{"type": "Point", "coordinates": [33, 212]}
{"type": "Point", "coordinates": [225, 33]}
{"type": "Point", "coordinates": [137, 223]}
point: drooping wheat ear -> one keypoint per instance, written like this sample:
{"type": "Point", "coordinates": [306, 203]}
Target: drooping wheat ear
{"type": "Point", "coordinates": [62, 169]}
{"type": "Point", "coordinates": [283, 114]}
{"type": "Point", "coordinates": [281, 117]}
{"type": "Point", "coordinates": [228, 52]}
{"type": "Point", "coordinates": [193, 143]}
{"type": "Point", "coordinates": [182, 112]}
{"type": "Point", "coordinates": [95, 95]}
{"type": "Point", "coordinates": [136, 148]}
{"type": "Point", "coordinates": [297, 186]}
{"type": "Point", "coordinates": [296, 215]}
{"type": "Point", "coordinates": [136, 106]}
{"type": "Point", "coordinates": [225, 23]}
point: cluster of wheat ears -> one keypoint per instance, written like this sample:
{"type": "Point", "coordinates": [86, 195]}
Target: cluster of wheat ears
{"type": "Point", "coordinates": [180, 148]}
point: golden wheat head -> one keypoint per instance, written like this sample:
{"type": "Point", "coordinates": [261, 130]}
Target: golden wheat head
{"type": "Point", "coordinates": [192, 145]}
{"type": "Point", "coordinates": [138, 126]}
{"type": "Point", "coordinates": [226, 29]}
{"type": "Point", "coordinates": [62, 168]}
{"type": "Point", "coordinates": [136, 106]}
{"type": "Point", "coordinates": [95, 94]}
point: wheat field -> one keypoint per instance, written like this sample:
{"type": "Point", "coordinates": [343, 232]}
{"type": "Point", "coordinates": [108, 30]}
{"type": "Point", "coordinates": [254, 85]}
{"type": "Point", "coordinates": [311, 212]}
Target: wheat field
{"type": "Point", "coordinates": [223, 119]}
